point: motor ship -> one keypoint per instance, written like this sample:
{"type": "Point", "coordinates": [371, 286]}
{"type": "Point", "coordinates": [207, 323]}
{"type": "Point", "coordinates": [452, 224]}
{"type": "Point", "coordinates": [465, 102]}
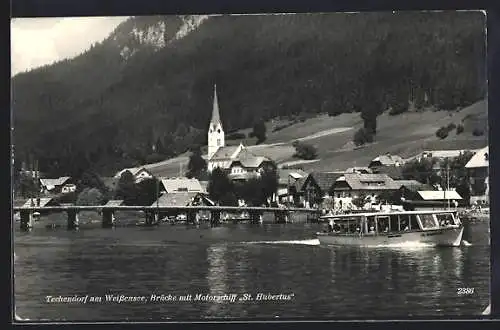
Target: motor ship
{"type": "Point", "coordinates": [437, 228]}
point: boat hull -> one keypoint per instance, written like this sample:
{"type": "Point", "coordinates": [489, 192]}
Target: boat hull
{"type": "Point", "coordinates": [439, 237]}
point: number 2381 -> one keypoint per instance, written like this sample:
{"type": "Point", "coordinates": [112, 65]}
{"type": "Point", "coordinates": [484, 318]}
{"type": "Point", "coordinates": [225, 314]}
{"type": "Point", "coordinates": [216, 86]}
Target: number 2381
{"type": "Point", "coordinates": [465, 291]}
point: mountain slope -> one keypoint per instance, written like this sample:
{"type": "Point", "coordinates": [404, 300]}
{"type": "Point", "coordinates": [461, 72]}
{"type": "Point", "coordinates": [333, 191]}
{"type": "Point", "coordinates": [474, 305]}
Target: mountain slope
{"type": "Point", "coordinates": [144, 94]}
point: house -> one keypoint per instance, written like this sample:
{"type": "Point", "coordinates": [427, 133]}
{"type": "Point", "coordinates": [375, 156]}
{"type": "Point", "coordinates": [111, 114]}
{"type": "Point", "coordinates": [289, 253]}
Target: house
{"type": "Point", "coordinates": [386, 160]}
{"type": "Point", "coordinates": [247, 165]}
{"type": "Point", "coordinates": [317, 186]}
{"type": "Point", "coordinates": [478, 173]}
{"type": "Point", "coordinates": [287, 179]}
{"type": "Point", "coordinates": [359, 169]}
{"type": "Point", "coordinates": [238, 161]}
{"type": "Point", "coordinates": [408, 189]}
{"type": "Point", "coordinates": [183, 199]}
{"type": "Point", "coordinates": [139, 173]}
{"type": "Point", "coordinates": [177, 185]}
{"type": "Point", "coordinates": [439, 156]}
{"type": "Point", "coordinates": [355, 185]}
{"type": "Point", "coordinates": [56, 186]}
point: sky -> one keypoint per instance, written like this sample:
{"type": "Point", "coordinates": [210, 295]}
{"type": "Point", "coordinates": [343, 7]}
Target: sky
{"type": "Point", "coordinates": [40, 41]}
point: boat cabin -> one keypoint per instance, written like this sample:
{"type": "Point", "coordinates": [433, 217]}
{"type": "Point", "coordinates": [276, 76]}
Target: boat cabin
{"type": "Point", "coordinates": [380, 223]}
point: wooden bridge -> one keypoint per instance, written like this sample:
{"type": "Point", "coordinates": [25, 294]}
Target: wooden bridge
{"type": "Point", "coordinates": [152, 213]}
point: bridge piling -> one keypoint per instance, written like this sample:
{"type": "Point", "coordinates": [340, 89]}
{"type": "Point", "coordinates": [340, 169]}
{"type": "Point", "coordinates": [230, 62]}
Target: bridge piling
{"type": "Point", "coordinates": [73, 220]}
{"type": "Point", "coordinates": [26, 220]}
{"type": "Point", "coordinates": [281, 216]}
{"type": "Point", "coordinates": [108, 218]}
{"type": "Point", "coordinates": [215, 218]}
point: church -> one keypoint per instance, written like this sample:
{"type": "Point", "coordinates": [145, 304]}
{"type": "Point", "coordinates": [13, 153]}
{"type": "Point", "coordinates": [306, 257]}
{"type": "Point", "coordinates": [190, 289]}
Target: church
{"type": "Point", "coordinates": [238, 161]}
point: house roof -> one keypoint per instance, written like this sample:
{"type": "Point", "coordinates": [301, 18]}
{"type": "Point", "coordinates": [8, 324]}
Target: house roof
{"type": "Point", "coordinates": [359, 169]}
{"type": "Point", "coordinates": [395, 172]}
{"type": "Point", "coordinates": [325, 180]}
{"type": "Point", "coordinates": [133, 170]}
{"type": "Point", "coordinates": [175, 199]}
{"type": "Point", "coordinates": [299, 184]}
{"type": "Point", "coordinates": [359, 181]}
{"type": "Point", "coordinates": [114, 202]}
{"type": "Point", "coordinates": [43, 202]}
{"type": "Point", "coordinates": [294, 174]}
{"type": "Point", "coordinates": [52, 183]}
{"type": "Point", "coordinates": [180, 199]}
{"type": "Point", "coordinates": [388, 160]}
{"type": "Point", "coordinates": [439, 195]}
{"type": "Point", "coordinates": [225, 153]}
{"type": "Point", "coordinates": [182, 184]}
{"type": "Point", "coordinates": [441, 153]}
{"type": "Point", "coordinates": [249, 160]}
{"type": "Point", "coordinates": [480, 159]}
{"type": "Point", "coordinates": [413, 185]}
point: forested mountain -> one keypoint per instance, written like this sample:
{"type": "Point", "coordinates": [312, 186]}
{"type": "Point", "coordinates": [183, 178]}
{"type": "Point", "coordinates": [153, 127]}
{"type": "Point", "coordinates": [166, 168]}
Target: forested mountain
{"type": "Point", "coordinates": [145, 93]}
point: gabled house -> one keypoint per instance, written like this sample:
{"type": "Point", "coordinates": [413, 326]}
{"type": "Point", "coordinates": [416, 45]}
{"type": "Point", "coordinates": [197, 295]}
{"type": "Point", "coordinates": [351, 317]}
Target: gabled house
{"type": "Point", "coordinates": [56, 186]}
{"type": "Point", "coordinates": [478, 173]}
{"type": "Point", "coordinates": [247, 165]}
{"type": "Point", "coordinates": [139, 173]}
{"type": "Point", "coordinates": [354, 185]}
{"type": "Point", "coordinates": [287, 183]}
{"type": "Point", "coordinates": [318, 186]}
{"type": "Point", "coordinates": [386, 160]}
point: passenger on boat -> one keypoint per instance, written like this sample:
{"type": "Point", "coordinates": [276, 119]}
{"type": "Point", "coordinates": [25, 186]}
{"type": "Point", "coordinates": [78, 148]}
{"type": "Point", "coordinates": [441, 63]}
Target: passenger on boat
{"type": "Point", "coordinates": [372, 230]}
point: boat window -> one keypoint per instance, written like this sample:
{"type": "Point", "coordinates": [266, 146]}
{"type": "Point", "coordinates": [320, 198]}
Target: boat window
{"type": "Point", "coordinates": [383, 224]}
{"type": "Point", "coordinates": [427, 221]}
{"type": "Point", "coordinates": [445, 219]}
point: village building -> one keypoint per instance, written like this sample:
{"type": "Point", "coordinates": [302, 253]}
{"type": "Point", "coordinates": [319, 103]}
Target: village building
{"type": "Point", "coordinates": [409, 188]}
{"type": "Point", "coordinates": [181, 185]}
{"type": "Point", "coordinates": [392, 165]}
{"type": "Point", "coordinates": [478, 173]}
{"type": "Point", "coordinates": [237, 161]}
{"type": "Point", "coordinates": [139, 173]}
{"type": "Point", "coordinates": [437, 199]}
{"type": "Point", "coordinates": [439, 156]}
{"type": "Point", "coordinates": [62, 185]}
{"type": "Point", "coordinates": [350, 186]}
{"type": "Point", "coordinates": [317, 187]}
{"type": "Point", "coordinates": [287, 183]}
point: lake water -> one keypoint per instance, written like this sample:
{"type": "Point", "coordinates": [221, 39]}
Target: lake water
{"type": "Point", "coordinates": [315, 281]}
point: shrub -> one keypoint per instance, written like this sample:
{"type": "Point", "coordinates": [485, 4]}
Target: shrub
{"type": "Point", "coordinates": [236, 136]}
{"type": "Point", "coordinates": [451, 127]}
{"type": "Point", "coordinates": [477, 132]}
{"type": "Point", "coordinates": [362, 136]}
{"type": "Point", "coordinates": [305, 151]}
{"type": "Point", "coordinates": [460, 129]}
{"type": "Point", "coordinates": [442, 133]}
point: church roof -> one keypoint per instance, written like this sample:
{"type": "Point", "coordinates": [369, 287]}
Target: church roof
{"type": "Point", "coordinates": [224, 153]}
{"type": "Point", "coordinates": [215, 110]}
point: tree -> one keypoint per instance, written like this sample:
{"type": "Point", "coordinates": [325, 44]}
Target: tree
{"type": "Point", "coordinates": [362, 136]}
{"type": "Point", "coordinates": [269, 183]}
{"type": "Point", "coordinates": [220, 188]}
{"type": "Point", "coordinates": [27, 186]}
{"type": "Point", "coordinates": [259, 131]}
{"type": "Point", "coordinates": [422, 170]}
{"type": "Point", "coordinates": [147, 191]}
{"type": "Point", "coordinates": [90, 196]}
{"type": "Point", "coordinates": [305, 151]}
{"type": "Point", "coordinates": [90, 179]}
{"type": "Point", "coordinates": [455, 174]}
{"type": "Point", "coordinates": [126, 189]}
{"type": "Point", "coordinates": [197, 165]}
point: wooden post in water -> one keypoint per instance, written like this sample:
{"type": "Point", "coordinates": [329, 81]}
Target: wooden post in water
{"type": "Point", "coordinates": [108, 218]}
{"type": "Point", "coordinates": [255, 217]}
{"type": "Point", "coordinates": [26, 219]}
{"type": "Point", "coordinates": [191, 216]}
{"type": "Point", "coordinates": [215, 218]}
{"type": "Point", "coordinates": [73, 221]}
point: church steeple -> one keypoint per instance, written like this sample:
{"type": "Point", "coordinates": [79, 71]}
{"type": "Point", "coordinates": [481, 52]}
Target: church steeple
{"type": "Point", "coordinates": [215, 131]}
{"type": "Point", "coordinates": [215, 110]}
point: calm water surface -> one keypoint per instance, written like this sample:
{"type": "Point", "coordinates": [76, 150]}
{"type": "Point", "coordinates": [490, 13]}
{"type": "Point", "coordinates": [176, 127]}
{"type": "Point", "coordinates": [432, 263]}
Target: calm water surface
{"type": "Point", "coordinates": [331, 282]}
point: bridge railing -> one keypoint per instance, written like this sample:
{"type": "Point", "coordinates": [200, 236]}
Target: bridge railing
{"type": "Point", "coordinates": [163, 208]}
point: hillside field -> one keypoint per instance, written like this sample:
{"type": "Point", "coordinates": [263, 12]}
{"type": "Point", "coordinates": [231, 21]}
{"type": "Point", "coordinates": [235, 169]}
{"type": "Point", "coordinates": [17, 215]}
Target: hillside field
{"type": "Point", "coordinates": [406, 135]}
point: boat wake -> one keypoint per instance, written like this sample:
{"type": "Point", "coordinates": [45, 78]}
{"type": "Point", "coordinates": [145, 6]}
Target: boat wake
{"type": "Point", "coordinates": [291, 242]}
{"type": "Point", "coordinates": [404, 245]}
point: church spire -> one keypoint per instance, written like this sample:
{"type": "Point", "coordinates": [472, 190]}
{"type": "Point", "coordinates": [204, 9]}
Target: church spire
{"type": "Point", "coordinates": [215, 111]}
